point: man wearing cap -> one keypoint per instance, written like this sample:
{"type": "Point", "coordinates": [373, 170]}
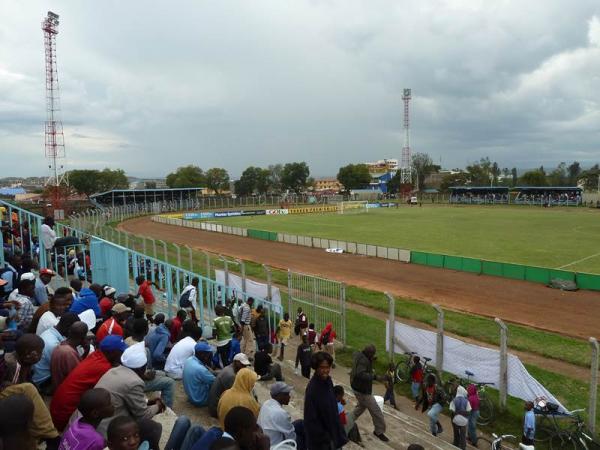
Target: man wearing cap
{"type": "Point", "coordinates": [197, 375]}
{"type": "Point", "coordinates": [108, 301]}
{"type": "Point", "coordinates": [42, 288]}
{"type": "Point", "coordinates": [126, 386]}
{"type": "Point", "coordinates": [84, 377]}
{"type": "Point", "coordinates": [224, 381]}
{"type": "Point", "coordinates": [276, 421]}
{"type": "Point", "coordinates": [115, 324]}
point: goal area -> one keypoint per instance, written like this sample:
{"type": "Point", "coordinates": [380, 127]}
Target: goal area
{"type": "Point", "coordinates": [353, 207]}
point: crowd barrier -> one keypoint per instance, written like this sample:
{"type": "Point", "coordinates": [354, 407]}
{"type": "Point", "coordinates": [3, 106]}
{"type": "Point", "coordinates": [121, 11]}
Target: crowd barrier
{"type": "Point", "coordinates": [505, 270]}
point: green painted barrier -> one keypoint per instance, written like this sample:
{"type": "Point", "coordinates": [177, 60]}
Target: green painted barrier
{"type": "Point", "coordinates": [491, 268]}
{"type": "Point", "coordinates": [588, 281]}
{"type": "Point", "coordinates": [435, 260]}
{"type": "Point", "coordinates": [513, 271]}
{"type": "Point", "coordinates": [537, 274]}
{"type": "Point", "coordinates": [471, 265]}
{"type": "Point", "coordinates": [562, 274]}
{"type": "Point", "coordinates": [260, 234]}
{"type": "Point", "coordinates": [418, 258]}
{"type": "Point", "coordinates": [453, 262]}
{"type": "Point", "coordinates": [272, 236]}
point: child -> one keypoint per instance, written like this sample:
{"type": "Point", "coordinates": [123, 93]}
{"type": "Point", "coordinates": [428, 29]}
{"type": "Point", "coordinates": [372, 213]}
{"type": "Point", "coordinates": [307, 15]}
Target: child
{"type": "Point", "coordinates": [389, 386]}
{"type": "Point", "coordinates": [416, 377]}
{"type": "Point", "coordinates": [284, 334]}
{"type": "Point", "coordinates": [235, 344]}
{"type": "Point", "coordinates": [124, 434]}
{"type": "Point", "coordinates": [347, 421]}
{"type": "Point", "coordinates": [94, 406]}
{"type": "Point", "coordinates": [303, 356]}
{"type": "Point", "coordinates": [528, 424]}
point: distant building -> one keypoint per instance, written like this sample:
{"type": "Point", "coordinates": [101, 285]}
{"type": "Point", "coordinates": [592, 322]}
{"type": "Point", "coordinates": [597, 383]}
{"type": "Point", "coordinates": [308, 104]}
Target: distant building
{"type": "Point", "coordinates": [328, 184]}
{"type": "Point", "coordinates": [382, 166]}
{"type": "Point", "coordinates": [434, 180]}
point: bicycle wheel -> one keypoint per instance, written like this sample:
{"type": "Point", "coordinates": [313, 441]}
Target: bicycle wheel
{"type": "Point", "coordinates": [485, 442]}
{"type": "Point", "coordinates": [545, 429]}
{"type": "Point", "coordinates": [486, 411]}
{"type": "Point", "coordinates": [563, 440]}
{"type": "Point", "coordinates": [402, 373]}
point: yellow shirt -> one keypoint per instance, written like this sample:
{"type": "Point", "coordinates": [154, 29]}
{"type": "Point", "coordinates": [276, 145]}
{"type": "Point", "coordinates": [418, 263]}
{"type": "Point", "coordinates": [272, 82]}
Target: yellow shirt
{"type": "Point", "coordinates": [285, 329]}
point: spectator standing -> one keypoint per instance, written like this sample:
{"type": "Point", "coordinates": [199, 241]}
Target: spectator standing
{"type": "Point", "coordinates": [42, 287]}
{"type": "Point", "coordinates": [240, 394]}
{"type": "Point", "coordinates": [416, 377]}
{"type": "Point", "coordinates": [361, 380]}
{"type": "Point", "coordinates": [189, 297]}
{"type": "Point", "coordinates": [432, 398]}
{"type": "Point", "coordinates": [48, 235]}
{"type": "Point", "coordinates": [197, 375]}
{"type": "Point", "coordinates": [276, 422]}
{"type": "Point", "coordinates": [224, 380]}
{"type": "Point", "coordinates": [95, 405]}
{"type": "Point", "coordinates": [285, 333]}
{"type": "Point", "coordinates": [181, 352]}
{"type": "Point", "coordinates": [84, 377]}
{"type": "Point", "coordinates": [57, 306]}
{"type": "Point", "coordinates": [248, 343]}
{"type": "Point", "coordinates": [223, 328]}
{"type": "Point", "coordinates": [311, 334]}
{"type": "Point", "coordinates": [261, 327]}
{"type": "Point", "coordinates": [473, 398]}
{"type": "Point", "coordinates": [145, 291]}
{"type": "Point", "coordinates": [326, 340]}
{"type": "Point", "coordinates": [157, 341]}
{"type": "Point", "coordinates": [65, 356]}
{"type": "Point", "coordinates": [303, 357]}
{"type": "Point", "coordinates": [460, 408]}
{"type": "Point", "coordinates": [177, 324]}
{"type": "Point", "coordinates": [322, 427]}
{"type": "Point", "coordinates": [115, 324]}
{"type": "Point", "coordinates": [264, 365]}
{"type": "Point", "coordinates": [301, 324]}
{"type": "Point", "coordinates": [528, 425]}
{"type": "Point", "coordinates": [389, 386]}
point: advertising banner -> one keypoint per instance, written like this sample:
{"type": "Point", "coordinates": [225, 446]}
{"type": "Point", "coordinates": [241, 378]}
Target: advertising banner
{"type": "Point", "coordinates": [273, 212]}
{"type": "Point", "coordinates": [199, 215]}
{"type": "Point", "coordinates": [254, 212]}
{"type": "Point", "coordinates": [228, 213]}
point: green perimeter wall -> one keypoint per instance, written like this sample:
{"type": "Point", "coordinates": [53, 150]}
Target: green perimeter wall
{"type": "Point", "coordinates": [481, 266]}
{"type": "Point", "coordinates": [505, 270]}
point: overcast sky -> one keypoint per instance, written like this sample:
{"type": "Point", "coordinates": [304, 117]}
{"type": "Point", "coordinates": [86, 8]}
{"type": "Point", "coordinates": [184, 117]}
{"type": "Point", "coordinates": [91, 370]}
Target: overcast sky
{"type": "Point", "coordinates": [150, 86]}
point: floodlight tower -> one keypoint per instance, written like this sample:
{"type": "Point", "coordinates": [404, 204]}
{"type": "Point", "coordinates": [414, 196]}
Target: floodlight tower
{"type": "Point", "coordinates": [406, 163]}
{"type": "Point", "coordinates": [54, 137]}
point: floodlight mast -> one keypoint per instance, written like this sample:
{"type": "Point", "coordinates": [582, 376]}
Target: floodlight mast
{"type": "Point", "coordinates": [406, 163]}
{"type": "Point", "coordinates": [54, 137]}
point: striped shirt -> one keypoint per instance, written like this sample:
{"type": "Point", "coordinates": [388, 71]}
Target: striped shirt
{"type": "Point", "coordinates": [245, 314]}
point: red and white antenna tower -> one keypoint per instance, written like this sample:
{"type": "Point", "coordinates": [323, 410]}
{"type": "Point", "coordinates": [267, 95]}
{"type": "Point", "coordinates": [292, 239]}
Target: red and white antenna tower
{"type": "Point", "coordinates": [406, 162]}
{"type": "Point", "coordinates": [54, 140]}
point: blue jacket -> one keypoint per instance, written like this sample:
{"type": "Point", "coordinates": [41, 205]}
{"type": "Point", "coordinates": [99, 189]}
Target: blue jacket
{"type": "Point", "coordinates": [86, 300]}
{"type": "Point", "coordinates": [207, 439]}
{"type": "Point", "coordinates": [197, 380]}
{"type": "Point", "coordinates": [157, 342]}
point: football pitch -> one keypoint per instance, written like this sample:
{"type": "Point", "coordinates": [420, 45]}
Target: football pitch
{"type": "Point", "coordinates": [566, 238]}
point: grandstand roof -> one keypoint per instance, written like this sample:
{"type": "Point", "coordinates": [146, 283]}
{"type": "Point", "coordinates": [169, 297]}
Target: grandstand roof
{"type": "Point", "coordinates": [148, 190]}
{"type": "Point", "coordinates": [547, 188]}
{"type": "Point", "coordinates": [481, 188]}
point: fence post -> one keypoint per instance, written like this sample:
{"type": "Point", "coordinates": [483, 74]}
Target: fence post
{"type": "Point", "coordinates": [226, 264]}
{"type": "Point", "coordinates": [119, 236]}
{"type": "Point", "coordinates": [391, 326]}
{"type": "Point", "coordinates": [191, 257]}
{"type": "Point", "coordinates": [503, 388]}
{"type": "Point", "coordinates": [243, 273]}
{"type": "Point", "coordinates": [165, 251]}
{"type": "Point", "coordinates": [343, 307]}
{"type": "Point", "coordinates": [593, 386]}
{"type": "Point", "coordinates": [207, 261]}
{"type": "Point", "coordinates": [289, 277]}
{"type": "Point", "coordinates": [269, 283]}
{"type": "Point", "coordinates": [178, 249]}
{"type": "Point", "coordinates": [144, 245]}
{"type": "Point", "coordinates": [439, 347]}
{"type": "Point", "coordinates": [154, 248]}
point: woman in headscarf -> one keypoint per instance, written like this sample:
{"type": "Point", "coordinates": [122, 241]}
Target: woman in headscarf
{"type": "Point", "coordinates": [460, 408]}
{"type": "Point", "coordinates": [326, 340]}
{"type": "Point", "coordinates": [322, 427]}
{"type": "Point", "coordinates": [240, 394]}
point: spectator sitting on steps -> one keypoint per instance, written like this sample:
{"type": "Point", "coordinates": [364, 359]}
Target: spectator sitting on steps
{"type": "Point", "coordinates": [264, 365]}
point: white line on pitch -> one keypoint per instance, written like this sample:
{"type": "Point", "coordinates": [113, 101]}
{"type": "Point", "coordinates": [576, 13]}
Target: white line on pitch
{"type": "Point", "coordinates": [578, 261]}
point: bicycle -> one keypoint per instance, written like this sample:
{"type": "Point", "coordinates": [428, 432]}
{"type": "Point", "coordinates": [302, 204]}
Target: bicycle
{"type": "Point", "coordinates": [486, 407]}
{"type": "Point", "coordinates": [403, 368]}
{"type": "Point", "coordinates": [496, 442]}
{"type": "Point", "coordinates": [576, 436]}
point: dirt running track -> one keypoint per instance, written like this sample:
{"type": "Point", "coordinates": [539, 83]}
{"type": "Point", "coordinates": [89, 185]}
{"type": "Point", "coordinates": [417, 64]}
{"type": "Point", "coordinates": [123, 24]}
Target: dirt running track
{"type": "Point", "coordinates": [571, 313]}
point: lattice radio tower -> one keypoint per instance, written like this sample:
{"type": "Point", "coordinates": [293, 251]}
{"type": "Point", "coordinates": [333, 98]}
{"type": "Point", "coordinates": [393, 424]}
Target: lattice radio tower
{"type": "Point", "coordinates": [406, 162]}
{"type": "Point", "coordinates": [54, 137]}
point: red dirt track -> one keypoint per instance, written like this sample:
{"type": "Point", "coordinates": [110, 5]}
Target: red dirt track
{"type": "Point", "coordinates": [570, 313]}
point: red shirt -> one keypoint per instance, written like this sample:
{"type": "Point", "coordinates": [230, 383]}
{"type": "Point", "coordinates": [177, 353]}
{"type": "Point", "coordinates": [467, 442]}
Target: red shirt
{"type": "Point", "coordinates": [111, 326]}
{"type": "Point", "coordinates": [105, 305]}
{"type": "Point", "coordinates": [145, 290]}
{"type": "Point", "coordinates": [175, 329]}
{"type": "Point", "coordinates": [83, 377]}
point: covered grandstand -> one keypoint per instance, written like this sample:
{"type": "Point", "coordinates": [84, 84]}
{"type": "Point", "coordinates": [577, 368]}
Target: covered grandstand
{"type": "Point", "coordinates": [519, 195]}
{"type": "Point", "coordinates": [118, 197]}
{"type": "Point", "coordinates": [479, 195]}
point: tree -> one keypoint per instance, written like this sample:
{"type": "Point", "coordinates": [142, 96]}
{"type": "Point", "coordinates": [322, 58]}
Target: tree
{"type": "Point", "coordinates": [393, 186]}
{"type": "Point", "coordinates": [481, 172]}
{"type": "Point", "coordinates": [591, 178]}
{"type": "Point", "coordinates": [514, 175]}
{"type": "Point", "coordinates": [454, 179]}
{"type": "Point", "coordinates": [112, 179]}
{"type": "Point", "coordinates": [248, 181]}
{"type": "Point", "coordinates": [558, 177]}
{"type": "Point", "coordinates": [354, 176]}
{"type": "Point", "coordinates": [186, 177]}
{"type": "Point", "coordinates": [535, 177]}
{"type": "Point", "coordinates": [217, 179]}
{"type": "Point", "coordinates": [84, 182]}
{"type": "Point", "coordinates": [294, 176]}
{"type": "Point", "coordinates": [423, 165]}
{"type": "Point", "coordinates": [275, 171]}
{"type": "Point", "coordinates": [574, 170]}
{"type": "Point", "coordinates": [263, 181]}
{"type": "Point", "coordinates": [495, 172]}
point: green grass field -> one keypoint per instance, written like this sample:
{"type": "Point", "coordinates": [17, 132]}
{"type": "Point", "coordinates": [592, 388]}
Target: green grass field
{"type": "Point", "coordinates": [536, 236]}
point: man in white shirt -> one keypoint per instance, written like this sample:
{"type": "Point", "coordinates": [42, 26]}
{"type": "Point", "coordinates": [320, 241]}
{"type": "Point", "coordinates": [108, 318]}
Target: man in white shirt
{"type": "Point", "coordinates": [48, 235]}
{"type": "Point", "coordinates": [58, 305]}
{"type": "Point", "coordinates": [189, 298]}
{"type": "Point", "coordinates": [180, 352]}
{"type": "Point", "coordinates": [276, 421]}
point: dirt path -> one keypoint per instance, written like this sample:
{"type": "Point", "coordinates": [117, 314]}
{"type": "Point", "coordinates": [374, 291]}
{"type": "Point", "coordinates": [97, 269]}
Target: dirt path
{"type": "Point", "coordinates": [569, 313]}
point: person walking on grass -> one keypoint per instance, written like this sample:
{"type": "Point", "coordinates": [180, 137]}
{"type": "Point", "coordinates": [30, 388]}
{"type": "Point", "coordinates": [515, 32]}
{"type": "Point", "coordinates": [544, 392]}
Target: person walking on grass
{"type": "Point", "coordinates": [361, 380]}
